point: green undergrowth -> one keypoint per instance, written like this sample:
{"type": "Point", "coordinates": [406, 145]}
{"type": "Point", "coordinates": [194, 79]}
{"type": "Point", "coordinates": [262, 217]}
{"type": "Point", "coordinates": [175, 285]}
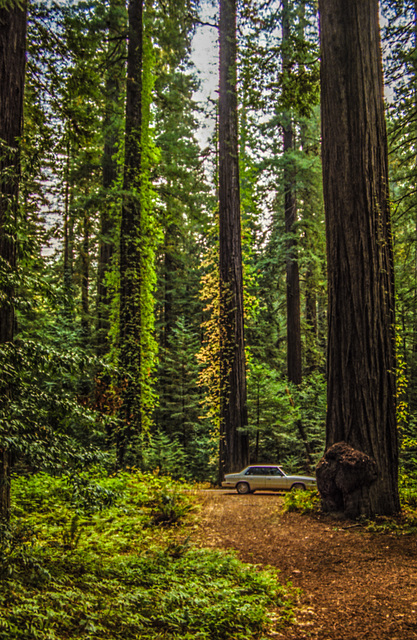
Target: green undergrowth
{"type": "Point", "coordinates": [103, 558]}
{"type": "Point", "coordinates": [302, 502]}
{"type": "Point", "coordinates": [406, 522]}
{"type": "Point", "coordinates": [308, 503]}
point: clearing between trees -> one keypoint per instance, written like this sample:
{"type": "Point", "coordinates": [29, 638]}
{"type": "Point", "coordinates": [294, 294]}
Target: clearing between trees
{"type": "Point", "coordinates": [355, 584]}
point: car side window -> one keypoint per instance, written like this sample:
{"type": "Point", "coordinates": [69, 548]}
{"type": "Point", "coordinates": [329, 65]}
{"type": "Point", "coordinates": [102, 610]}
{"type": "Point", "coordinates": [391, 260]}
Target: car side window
{"type": "Point", "coordinates": [263, 471]}
{"type": "Point", "coordinates": [254, 471]}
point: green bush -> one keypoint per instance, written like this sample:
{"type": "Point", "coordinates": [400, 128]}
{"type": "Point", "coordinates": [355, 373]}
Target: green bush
{"type": "Point", "coordinates": [408, 492]}
{"type": "Point", "coordinates": [302, 501]}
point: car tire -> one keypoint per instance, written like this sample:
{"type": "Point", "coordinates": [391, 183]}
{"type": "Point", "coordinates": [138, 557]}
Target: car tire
{"type": "Point", "coordinates": [242, 488]}
{"type": "Point", "coordinates": [298, 486]}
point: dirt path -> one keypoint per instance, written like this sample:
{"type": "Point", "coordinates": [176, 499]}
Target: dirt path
{"type": "Point", "coordinates": [355, 584]}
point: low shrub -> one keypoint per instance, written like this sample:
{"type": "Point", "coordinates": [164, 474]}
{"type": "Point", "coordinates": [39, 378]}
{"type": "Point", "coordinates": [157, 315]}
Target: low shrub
{"type": "Point", "coordinates": [111, 573]}
{"type": "Point", "coordinates": [302, 501]}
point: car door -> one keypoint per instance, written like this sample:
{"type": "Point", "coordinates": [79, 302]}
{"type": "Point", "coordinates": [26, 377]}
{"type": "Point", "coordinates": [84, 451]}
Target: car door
{"type": "Point", "coordinates": [276, 480]}
{"type": "Point", "coordinates": [257, 478]}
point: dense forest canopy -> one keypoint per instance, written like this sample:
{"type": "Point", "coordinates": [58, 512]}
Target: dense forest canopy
{"type": "Point", "coordinates": [116, 347]}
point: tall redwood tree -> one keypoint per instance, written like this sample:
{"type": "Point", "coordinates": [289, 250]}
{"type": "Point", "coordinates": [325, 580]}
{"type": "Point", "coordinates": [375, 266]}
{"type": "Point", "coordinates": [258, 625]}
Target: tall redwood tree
{"type": "Point", "coordinates": [234, 449]}
{"type": "Point", "coordinates": [12, 82]}
{"type": "Point", "coordinates": [361, 341]}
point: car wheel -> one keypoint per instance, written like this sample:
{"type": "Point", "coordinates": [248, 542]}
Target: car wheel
{"type": "Point", "coordinates": [298, 486]}
{"type": "Point", "coordinates": [242, 488]}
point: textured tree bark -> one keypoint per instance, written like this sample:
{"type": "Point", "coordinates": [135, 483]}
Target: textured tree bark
{"type": "Point", "coordinates": [12, 82]}
{"type": "Point", "coordinates": [234, 449]}
{"type": "Point", "coordinates": [130, 236]}
{"type": "Point", "coordinates": [344, 476]}
{"type": "Point", "coordinates": [361, 341]}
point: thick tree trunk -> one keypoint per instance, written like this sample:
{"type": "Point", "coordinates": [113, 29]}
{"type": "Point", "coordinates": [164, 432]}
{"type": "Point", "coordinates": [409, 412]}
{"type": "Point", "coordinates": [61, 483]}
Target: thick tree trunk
{"type": "Point", "coordinates": [12, 82]}
{"type": "Point", "coordinates": [130, 238]}
{"type": "Point", "coordinates": [361, 348]}
{"type": "Point", "coordinates": [234, 450]}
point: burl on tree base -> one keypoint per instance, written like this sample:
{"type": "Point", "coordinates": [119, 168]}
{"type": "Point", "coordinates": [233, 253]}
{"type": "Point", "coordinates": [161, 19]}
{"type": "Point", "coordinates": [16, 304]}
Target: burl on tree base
{"type": "Point", "coordinates": [344, 476]}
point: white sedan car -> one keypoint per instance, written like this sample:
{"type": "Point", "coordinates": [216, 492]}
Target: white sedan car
{"type": "Point", "coordinates": [266, 477]}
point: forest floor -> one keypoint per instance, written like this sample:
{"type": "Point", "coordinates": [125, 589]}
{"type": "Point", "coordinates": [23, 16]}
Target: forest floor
{"type": "Point", "coordinates": [354, 584]}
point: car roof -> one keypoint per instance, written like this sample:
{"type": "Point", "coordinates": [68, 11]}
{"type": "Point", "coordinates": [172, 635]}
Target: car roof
{"type": "Point", "coordinates": [262, 465]}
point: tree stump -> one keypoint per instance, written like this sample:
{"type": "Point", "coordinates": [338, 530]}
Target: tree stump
{"type": "Point", "coordinates": [344, 476]}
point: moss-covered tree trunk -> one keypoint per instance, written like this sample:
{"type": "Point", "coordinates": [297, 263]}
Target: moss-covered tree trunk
{"type": "Point", "coordinates": [361, 341]}
{"type": "Point", "coordinates": [12, 81]}
{"type": "Point", "coordinates": [234, 450]}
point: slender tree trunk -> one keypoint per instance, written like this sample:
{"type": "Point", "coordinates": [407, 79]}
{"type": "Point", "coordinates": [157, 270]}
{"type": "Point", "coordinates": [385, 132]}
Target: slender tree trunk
{"type": "Point", "coordinates": [234, 449]}
{"type": "Point", "coordinates": [294, 363]}
{"type": "Point", "coordinates": [85, 280]}
{"type": "Point", "coordinates": [413, 358]}
{"type": "Point", "coordinates": [311, 331]}
{"type": "Point", "coordinates": [12, 82]}
{"type": "Point", "coordinates": [68, 245]}
{"type": "Point", "coordinates": [130, 238]}
{"type": "Point", "coordinates": [290, 206]}
{"type": "Point", "coordinates": [171, 236]}
{"type": "Point", "coordinates": [311, 322]}
{"type": "Point", "coordinates": [112, 133]}
{"type": "Point", "coordinates": [294, 367]}
{"type": "Point", "coordinates": [258, 419]}
{"type": "Point", "coordinates": [361, 341]}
